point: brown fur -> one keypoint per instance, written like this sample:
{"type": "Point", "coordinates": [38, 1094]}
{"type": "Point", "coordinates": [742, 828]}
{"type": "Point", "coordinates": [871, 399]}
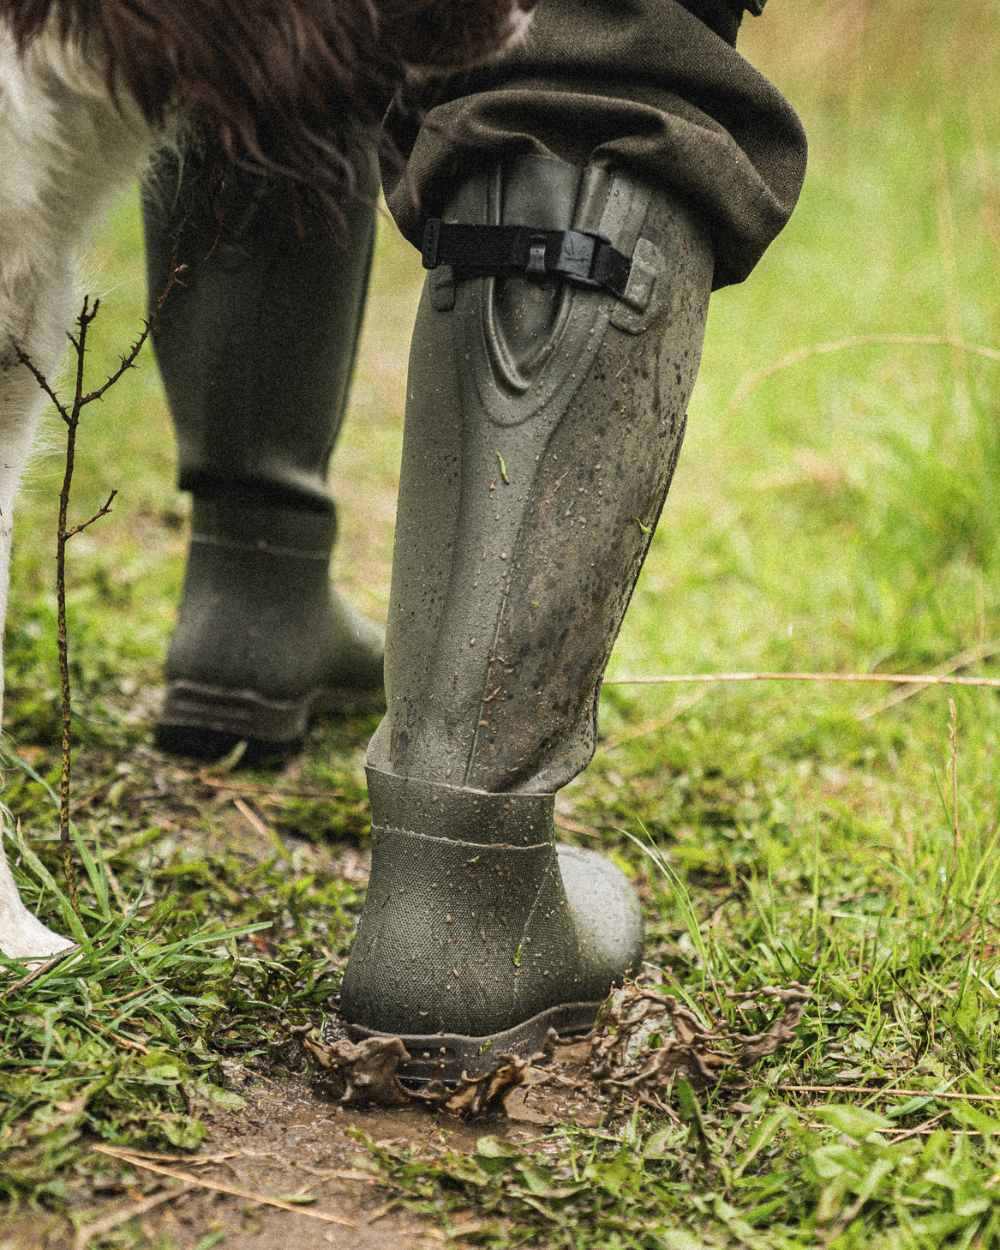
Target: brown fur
{"type": "Point", "coordinates": [278, 83]}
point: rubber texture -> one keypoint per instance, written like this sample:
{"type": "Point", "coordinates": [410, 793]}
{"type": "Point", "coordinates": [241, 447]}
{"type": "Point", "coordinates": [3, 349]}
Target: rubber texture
{"type": "Point", "coordinates": [206, 722]}
{"type": "Point", "coordinates": [448, 1057]}
{"type": "Point", "coordinates": [543, 423]}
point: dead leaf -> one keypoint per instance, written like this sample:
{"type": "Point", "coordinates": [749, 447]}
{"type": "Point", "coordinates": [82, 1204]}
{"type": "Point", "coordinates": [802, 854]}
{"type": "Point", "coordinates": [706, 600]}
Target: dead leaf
{"type": "Point", "coordinates": [368, 1068]}
{"type": "Point", "coordinates": [479, 1095]}
{"type": "Point", "coordinates": [644, 1039]}
{"type": "Point", "coordinates": [369, 1072]}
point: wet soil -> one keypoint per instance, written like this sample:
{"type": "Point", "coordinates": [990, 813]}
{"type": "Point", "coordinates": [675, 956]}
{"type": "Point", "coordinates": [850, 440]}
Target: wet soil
{"type": "Point", "coordinates": [293, 1144]}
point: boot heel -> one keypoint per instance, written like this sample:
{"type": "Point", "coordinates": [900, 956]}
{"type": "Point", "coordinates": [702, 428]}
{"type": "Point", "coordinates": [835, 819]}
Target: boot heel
{"type": "Point", "coordinates": [208, 721]}
{"type": "Point", "coordinates": [448, 1057]}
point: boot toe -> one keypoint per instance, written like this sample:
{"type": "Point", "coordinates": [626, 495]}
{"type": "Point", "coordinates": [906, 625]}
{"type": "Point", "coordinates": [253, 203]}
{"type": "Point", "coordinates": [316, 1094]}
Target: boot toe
{"type": "Point", "coordinates": [358, 648]}
{"type": "Point", "coordinates": [607, 916]}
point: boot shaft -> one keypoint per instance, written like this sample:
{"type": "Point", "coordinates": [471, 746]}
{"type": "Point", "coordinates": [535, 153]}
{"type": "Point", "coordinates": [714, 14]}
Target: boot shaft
{"type": "Point", "coordinates": [542, 431]}
{"type": "Point", "coordinates": [257, 338]}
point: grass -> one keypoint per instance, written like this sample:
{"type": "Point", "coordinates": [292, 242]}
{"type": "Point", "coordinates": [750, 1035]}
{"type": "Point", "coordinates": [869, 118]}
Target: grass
{"type": "Point", "coordinates": [844, 517]}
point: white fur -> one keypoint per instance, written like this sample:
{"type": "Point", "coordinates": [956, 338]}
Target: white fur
{"type": "Point", "coordinates": [65, 150]}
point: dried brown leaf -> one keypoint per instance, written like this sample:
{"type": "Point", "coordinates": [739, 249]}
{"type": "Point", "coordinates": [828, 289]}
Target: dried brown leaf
{"type": "Point", "coordinates": [644, 1039]}
{"type": "Point", "coordinates": [368, 1069]}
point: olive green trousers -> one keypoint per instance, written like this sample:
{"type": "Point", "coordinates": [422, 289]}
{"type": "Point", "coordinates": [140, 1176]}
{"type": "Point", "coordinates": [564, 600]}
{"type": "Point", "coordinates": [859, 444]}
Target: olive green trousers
{"type": "Point", "coordinates": [652, 87]}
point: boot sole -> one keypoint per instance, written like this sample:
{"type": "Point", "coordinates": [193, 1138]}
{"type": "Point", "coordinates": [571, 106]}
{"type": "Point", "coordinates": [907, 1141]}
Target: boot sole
{"type": "Point", "coordinates": [448, 1057]}
{"type": "Point", "coordinates": [209, 721]}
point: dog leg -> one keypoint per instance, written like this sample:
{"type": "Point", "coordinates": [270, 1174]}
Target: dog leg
{"type": "Point", "coordinates": [35, 300]}
{"type": "Point", "coordinates": [34, 310]}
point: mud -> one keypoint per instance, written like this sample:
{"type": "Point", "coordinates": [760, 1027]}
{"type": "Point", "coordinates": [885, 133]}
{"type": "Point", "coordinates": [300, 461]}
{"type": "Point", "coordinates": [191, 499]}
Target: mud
{"type": "Point", "coordinates": [291, 1143]}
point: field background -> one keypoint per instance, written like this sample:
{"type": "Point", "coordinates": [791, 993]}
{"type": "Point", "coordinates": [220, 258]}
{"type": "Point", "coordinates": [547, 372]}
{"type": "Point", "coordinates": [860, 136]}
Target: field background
{"type": "Point", "coordinates": [839, 513]}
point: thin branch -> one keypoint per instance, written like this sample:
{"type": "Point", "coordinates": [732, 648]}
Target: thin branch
{"type": "Point", "coordinates": [753, 380]}
{"type": "Point", "coordinates": [71, 418]}
{"type": "Point", "coordinates": [884, 679]}
{"type": "Point", "coordinates": [42, 381]}
{"type": "Point", "coordinates": [127, 362]}
{"type": "Point", "coordinates": [104, 510]}
{"type": "Point", "coordinates": [123, 1215]}
{"type": "Point", "coordinates": [291, 792]}
{"type": "Point", "coordinates": [65, 689]}
{"type": "Point", "coordinates": [64, 532]}
{"type": "Point", "coordinates": [84, 320]}
{"type": "Point", "coordinates": [174, 279]}
{"type": "Point", "coordinates": [973, 655]}
{"type": "Point", "coordinates": [230, 1190]}
{"type": "Point", "coordinates": [887, 1091]}
{"type": "Point", "coordinates": [10, 990]}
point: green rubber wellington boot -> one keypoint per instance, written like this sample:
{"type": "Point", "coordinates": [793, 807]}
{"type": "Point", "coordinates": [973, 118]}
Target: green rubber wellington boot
{"type": "Point", "coordinates": [256, 343]}
{"type": "Point", "coordinates": [554, 354]}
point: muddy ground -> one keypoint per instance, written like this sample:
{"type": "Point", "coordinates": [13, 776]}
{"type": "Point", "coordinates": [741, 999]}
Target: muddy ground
{"type": "Point", "coordinates": [295, 1144]}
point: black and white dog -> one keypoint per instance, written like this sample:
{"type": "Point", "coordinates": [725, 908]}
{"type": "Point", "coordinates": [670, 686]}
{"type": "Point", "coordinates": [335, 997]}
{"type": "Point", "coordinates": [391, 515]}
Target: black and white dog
{"type": "Point", "coordinates": [90, 88]}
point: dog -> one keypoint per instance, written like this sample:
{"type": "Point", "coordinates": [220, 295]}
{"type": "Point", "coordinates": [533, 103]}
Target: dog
{"type": "Point", "coordinates": [90, 89]}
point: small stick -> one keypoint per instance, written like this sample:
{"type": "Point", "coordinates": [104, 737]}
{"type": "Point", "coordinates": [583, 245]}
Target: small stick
{"type": "Point", "coordinates": [903, 1134]}
{"type": "Point", "coordinates": [885, 1092]}
{"type": "Point", "coordinates": [973, 655]}
{"type": "Point", "coordinates": [196, 1161]}
{"type": "Point", "coordinates": [216, 783]}
{"type": "Point", "coordinates": [230, 1190]}
{"type": "Point", "coordinates": [956, 829]}
{"type": "Point", "coordinates": [70, 415]}
{"type": "Point", "coordinates": [35, 973]}
{"type": "Point", "coordinates": [87, 1232]}
{"type": "Point", "coordinates": [251, 817]}
{"type": "Point", "coordinates": [884, 679]}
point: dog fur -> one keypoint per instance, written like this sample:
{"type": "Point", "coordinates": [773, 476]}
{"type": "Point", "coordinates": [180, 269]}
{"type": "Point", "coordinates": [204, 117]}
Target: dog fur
{"type": "Point", "coordinates": [90, 88]}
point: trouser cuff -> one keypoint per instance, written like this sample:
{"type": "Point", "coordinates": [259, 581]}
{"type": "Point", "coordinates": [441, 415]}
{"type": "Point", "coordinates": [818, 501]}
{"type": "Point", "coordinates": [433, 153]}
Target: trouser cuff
{"type": "Point", "coordinates": [647, 88]}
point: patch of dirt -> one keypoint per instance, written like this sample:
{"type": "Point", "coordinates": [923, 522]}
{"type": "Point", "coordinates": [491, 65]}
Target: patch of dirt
{"type": "Point", "coordinates": [290, 1144]}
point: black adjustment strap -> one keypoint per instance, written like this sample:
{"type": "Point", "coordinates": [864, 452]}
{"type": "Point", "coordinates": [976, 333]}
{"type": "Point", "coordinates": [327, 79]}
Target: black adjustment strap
{"type": "Point", "coordinates": [580, 256]}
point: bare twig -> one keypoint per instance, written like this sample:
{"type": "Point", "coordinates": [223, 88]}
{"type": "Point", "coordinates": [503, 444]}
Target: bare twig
{"type": "Point", "coordinates": [193, 1161]}
{"type": "Point", "coordinates": [108, 1223]}
{"type": "Point", "coordinates": [904, 1134]}
{"type": "Point", "coordinates": [284, 792]}
{"type": "Point", "coordinates": [71, 415]}
{"type": "Point", "coordinates": [127, 362]}
{"type": "Point", "coordinates": [103, 511]}
{"type": "Point", "coordinates": [953, 770]}
{"type": "Point", "coordinates": [251, 817]}
{"type": "Point", "coordinates": [752, 381]}
{"type": "Point", "coordinates": [10, 990]}
{"type": "Point", "coordinates": [42, 381]}
{"type": "Point", "coordinates": [81, 399]}
{"type": "Point", "coordinates": [886, 1091]}
{"type": "Point", "coordinates": [972, 655]}
{"type": "Point", "coordinates": [884, 679]}
{"type": "Point", "coordinates": [231, 1191]}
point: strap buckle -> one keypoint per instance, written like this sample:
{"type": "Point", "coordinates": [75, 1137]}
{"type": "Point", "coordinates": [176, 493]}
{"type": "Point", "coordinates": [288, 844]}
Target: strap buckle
{"type": "Point", "coordinates": [576, 258]}
{"type": "Point", "coordinates": [581, 256]}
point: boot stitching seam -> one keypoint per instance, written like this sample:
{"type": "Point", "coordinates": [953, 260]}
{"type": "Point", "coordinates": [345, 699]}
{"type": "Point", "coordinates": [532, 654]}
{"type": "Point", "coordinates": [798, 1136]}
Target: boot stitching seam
{"type": "Point", "coordinates": [546, 876]}
{"type": "Point", "coordinates": [478, 846]}
{"type": "Point", "coordinates": [263, 547]}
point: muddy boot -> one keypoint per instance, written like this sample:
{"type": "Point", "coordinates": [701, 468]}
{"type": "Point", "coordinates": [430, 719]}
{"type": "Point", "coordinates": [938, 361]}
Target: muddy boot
{"type": "Point", "coordinates": [256, 343]}
{"type": "Point", "coordinates": [551, 367]}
